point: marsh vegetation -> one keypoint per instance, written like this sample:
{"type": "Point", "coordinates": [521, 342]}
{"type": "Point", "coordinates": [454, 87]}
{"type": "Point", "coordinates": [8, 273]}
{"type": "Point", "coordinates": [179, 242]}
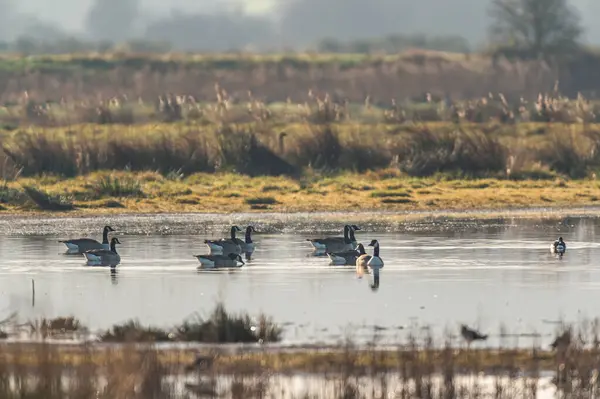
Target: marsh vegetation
{"type": "Point", "coordinates": [419, 364]}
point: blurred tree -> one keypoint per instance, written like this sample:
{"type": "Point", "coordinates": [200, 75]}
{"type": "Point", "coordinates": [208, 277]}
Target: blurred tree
{"type": "Point", "coordinates": [112, 20]}
{"type": "Point", "coordinates": [536, 28]}
{"type": "Point", "coordinates": [306, 22]}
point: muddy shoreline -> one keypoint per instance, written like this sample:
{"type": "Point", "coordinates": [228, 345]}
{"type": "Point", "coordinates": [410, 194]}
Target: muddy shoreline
{"type": "Point", "coordinates": [273, 223]}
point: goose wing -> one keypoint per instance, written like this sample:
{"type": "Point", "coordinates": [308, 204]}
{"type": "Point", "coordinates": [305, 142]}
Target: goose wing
{"type": "Point", "coordinates": [81, 241]}
{"type": "Point", "coordinates": [221, 241]}
{"type": "Point", "coordinates": [100, 252]}
{"type": "Point", "coordinates": [345, 254]}
{"type": "Point", "coordinates": [327, 240]}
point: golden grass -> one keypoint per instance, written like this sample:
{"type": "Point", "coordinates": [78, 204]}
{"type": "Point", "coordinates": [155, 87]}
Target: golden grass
{"type": "Point", "coordinates": [372, 191]}
{"type": "Point", "coordinates": [303, 360]}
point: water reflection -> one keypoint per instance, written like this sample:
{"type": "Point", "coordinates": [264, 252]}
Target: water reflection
{"type": "Point", "coordinates": [375, 283]}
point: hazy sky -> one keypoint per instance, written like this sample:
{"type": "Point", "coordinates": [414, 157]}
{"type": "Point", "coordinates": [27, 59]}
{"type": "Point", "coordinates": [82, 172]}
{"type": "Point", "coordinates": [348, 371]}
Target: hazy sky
{"type": "Point", "coordinates": [465, 18]}
{"type": "Point", "coordinates": [70, 14]}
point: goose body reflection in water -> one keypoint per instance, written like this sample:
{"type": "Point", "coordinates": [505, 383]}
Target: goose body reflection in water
{"type": "Point", "coordinates": [114, 278]}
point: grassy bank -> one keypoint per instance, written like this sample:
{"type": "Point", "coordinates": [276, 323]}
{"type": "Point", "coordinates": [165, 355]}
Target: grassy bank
{"type": "Point", "coordinates": [126, 192]}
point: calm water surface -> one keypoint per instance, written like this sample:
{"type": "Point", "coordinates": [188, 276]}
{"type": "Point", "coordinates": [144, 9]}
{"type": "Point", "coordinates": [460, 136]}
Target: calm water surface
{"type": "Point", "coordinates": [483, 278]}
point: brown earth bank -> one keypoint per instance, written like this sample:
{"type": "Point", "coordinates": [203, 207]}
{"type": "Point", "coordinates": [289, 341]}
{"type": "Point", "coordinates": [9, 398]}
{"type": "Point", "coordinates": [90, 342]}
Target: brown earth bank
{"type": "Point", "coordinates": [270, 78]}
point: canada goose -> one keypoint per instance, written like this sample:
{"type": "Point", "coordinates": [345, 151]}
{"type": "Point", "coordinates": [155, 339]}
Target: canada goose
{"type": "Point", "coordinates": [562, 341]}
{"type": "Point", "coordinates": [81, 245]}
{"type": "Point", "coordinates": [234, 245]}
{"type": "Point", "coordinates": [558, 247]}
{"type": "Point", "coordinates": [216, 261]}
{"type": "Point", "coordinates": [224, 245]}
{"type": "Point", "coordinates": [104, 257]}
{"type": "Point", "coordinates": [471, 335]}
{"type": "Point", "coordinates": [347, 257]}
{"type": "Point", "coordinates": [248, 246]}
{"type": "Point", "coordinates": [353, 228]}
{"type": "Point", "coordinates": [374, 262]}
{"type": "Point", "coordinates": [336, 244]}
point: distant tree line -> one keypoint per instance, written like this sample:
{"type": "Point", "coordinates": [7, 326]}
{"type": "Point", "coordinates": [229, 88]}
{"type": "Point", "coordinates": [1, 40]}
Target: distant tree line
{"type": "Point", "coordinates": [517, 29]}
{"type": "Point", "coordinates": [396, 43]}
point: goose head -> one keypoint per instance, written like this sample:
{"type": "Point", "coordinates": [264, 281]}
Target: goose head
{"type": "Point", "coordinates": [560, 239]}
{"type": "Point", "coordinates": [234, 229]}
{"type": "Point", "coordinates": [351, 230]}
{"type": "Point", "coordinates": [249, 231]}
{"type": "Point", "coordinates": [361, 249]}
{"type": "Point", "coordinates": [105, 231]}
{"type": "Point", "coordinates": [375, 245]}
{"type": "Point", "coordinates": [113, 243]}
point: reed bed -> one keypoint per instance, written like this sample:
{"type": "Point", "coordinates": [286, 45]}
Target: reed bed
{"type": "Point", "coordinates": [83, 77]}
{"type": "Point", "coordinates": [317, 108]}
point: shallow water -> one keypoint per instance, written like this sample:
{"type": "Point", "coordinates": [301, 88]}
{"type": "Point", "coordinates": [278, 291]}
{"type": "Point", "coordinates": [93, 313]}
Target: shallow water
{"type": "Point", "coordinates": [301, 386]}
{"type": "Point", "coordinates": [498, 274]}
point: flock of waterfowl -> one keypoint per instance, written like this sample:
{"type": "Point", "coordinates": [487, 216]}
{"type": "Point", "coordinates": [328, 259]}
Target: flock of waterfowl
{"type": "Point", "coordinates": [226, 252]}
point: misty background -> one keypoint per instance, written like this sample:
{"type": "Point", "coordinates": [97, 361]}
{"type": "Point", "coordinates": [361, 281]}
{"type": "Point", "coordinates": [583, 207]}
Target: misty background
{"type": "Point", "coordinates": [257, 25]}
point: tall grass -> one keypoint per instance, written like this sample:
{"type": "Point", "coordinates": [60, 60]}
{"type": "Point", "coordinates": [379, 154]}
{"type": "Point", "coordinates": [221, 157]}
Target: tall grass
{"type": "Point", "coordinates": [529, 150]}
